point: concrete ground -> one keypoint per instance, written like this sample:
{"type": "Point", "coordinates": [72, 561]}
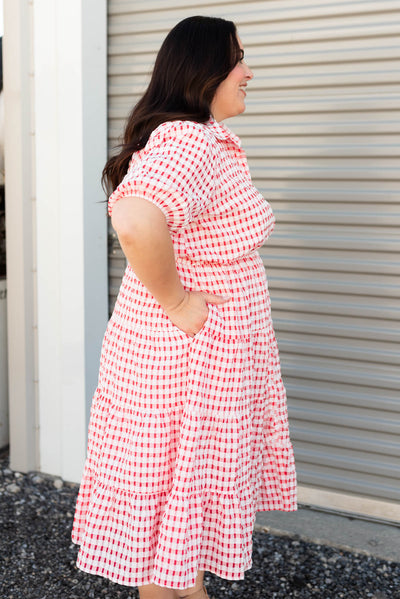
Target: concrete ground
{"type": "Point", "coordinates": [345, 532]}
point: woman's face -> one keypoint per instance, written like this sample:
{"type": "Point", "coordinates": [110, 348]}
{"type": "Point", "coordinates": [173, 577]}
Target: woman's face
{"type": "Point", "coordinates": [229, 99]}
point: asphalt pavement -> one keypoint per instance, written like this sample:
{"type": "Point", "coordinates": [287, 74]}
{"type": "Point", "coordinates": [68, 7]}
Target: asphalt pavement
{"type": "Point", "coordinates": [304, 555]}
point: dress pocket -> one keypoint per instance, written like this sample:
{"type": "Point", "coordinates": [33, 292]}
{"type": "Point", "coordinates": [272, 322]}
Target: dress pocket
{"type": "Point", "coordinates": [213, 321]}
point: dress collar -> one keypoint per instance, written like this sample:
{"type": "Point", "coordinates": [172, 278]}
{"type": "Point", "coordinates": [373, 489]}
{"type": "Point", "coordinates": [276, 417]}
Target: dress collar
{"type": "Point", "coordinates": [221, 131]}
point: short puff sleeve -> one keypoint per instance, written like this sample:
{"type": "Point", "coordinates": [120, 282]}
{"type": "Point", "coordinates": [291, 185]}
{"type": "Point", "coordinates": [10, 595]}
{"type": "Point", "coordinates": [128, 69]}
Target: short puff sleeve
{"type": "Point", "coordinates": [175, 171]}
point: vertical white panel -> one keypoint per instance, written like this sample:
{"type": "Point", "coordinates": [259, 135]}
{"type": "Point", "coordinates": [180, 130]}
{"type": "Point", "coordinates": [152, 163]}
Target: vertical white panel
{"type": "Point", "coordinates": [49, 234]}
{"type": "Point", "coordinates": [70, 152]}
{"type": "Point", "coordinates": [4, 411]}
{"type": "Point", "coordinates": [20, 219]}
{"type": "Point", "coordinates": [94, 140]}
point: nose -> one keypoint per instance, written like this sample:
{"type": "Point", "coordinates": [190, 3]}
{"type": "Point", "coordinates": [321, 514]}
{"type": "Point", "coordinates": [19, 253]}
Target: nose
{"type": "Point", "coordinates": [249, 73]}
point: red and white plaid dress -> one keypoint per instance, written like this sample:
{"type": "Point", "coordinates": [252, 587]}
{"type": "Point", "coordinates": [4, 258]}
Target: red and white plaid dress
{"type": "Point", "coordinates": [188, 437]}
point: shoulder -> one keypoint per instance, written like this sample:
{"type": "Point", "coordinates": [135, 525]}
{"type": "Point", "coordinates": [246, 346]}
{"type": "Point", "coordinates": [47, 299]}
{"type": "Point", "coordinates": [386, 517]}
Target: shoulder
{"type": "Point", "coordinates": [189, 133]}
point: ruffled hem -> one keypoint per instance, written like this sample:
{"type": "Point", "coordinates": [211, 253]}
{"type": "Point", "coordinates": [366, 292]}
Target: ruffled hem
{"type": "Point", "coordinates": [162, 538]}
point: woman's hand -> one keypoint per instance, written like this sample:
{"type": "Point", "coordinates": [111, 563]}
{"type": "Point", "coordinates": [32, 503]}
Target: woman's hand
{"type": "Point", "coordinates": [145, 239]}
{"type": "Point", "coordinates": [192, 312]}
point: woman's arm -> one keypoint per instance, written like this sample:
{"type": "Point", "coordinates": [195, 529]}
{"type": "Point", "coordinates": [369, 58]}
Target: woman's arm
{"type": "Point", "coordinates": [146, 242]}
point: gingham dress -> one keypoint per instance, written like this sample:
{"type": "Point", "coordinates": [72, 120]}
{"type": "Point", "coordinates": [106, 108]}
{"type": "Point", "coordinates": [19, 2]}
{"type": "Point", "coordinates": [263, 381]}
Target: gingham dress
{"type": "Point", "coordinates": [188, 437]}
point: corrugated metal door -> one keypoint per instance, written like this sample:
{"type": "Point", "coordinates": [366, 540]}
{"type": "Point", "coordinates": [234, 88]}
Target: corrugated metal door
{"type": "Point", "coordinates": [322, 135]}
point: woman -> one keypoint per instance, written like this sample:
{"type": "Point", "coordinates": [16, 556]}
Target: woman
{"type": "Point", "coordinates": [188, 435]}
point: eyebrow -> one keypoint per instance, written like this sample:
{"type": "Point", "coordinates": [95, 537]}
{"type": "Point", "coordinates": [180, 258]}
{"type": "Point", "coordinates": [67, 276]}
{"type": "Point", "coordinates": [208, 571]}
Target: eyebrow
{"type": "Point", "coordinates": [241, 54]}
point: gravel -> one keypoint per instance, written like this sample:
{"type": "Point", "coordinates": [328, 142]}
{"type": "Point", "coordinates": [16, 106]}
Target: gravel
{"type": "Point", "coordinates": [37, 558]}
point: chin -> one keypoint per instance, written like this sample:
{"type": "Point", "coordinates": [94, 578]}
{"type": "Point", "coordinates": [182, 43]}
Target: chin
{"type": "Point", "coordinates": [239, 110]}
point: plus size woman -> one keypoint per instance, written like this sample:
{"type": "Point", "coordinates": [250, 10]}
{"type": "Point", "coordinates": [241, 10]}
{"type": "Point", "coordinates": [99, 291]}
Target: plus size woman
{"type": "Point", "coordinates": [188, 436]}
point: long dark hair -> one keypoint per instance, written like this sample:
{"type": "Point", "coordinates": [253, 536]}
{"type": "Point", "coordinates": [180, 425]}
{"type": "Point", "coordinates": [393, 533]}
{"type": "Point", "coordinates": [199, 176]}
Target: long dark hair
{"type": "Point", "coordinates": [195, 57]}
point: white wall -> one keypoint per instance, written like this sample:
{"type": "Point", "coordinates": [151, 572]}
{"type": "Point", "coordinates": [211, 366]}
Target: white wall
{"type": "Point", "coordinates": [68, 93]}
{"type": "Point", "coordinates": [20, 235]}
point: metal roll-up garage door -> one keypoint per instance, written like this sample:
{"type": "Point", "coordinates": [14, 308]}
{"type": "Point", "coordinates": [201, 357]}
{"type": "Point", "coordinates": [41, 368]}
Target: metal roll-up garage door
{"type": "Point", "coordinates": [322, 136]}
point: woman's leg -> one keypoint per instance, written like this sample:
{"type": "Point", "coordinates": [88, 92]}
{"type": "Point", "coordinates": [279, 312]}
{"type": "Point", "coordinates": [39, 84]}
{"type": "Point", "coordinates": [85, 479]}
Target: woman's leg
{"type": "Point", "coordinates": [153, 591]}
{"type": "Point", "coordinates": [196, 592]}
